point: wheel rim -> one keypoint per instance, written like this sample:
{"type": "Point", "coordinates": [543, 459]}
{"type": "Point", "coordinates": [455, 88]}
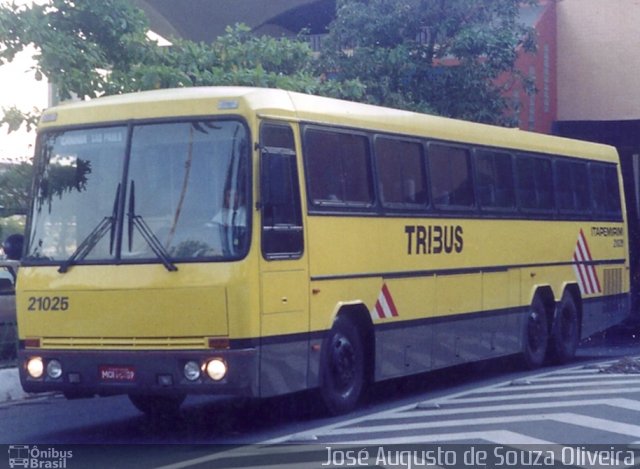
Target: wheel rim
{"type": "Point", "coordinates": [343, 364]}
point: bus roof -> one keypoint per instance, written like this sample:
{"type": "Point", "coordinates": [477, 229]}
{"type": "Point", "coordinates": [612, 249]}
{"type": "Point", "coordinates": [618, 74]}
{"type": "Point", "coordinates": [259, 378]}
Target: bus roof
{"type": "Point", "coordinates": [280, 104]}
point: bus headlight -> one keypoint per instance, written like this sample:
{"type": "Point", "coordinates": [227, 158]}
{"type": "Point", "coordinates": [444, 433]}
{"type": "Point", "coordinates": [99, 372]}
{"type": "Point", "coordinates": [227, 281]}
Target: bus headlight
{"type": "Point", "coordinates": [191, 371]}
{"type": "Point", "coordinates": [35, 367]}
{"type": "Point", "coordinates": [216, 369]}
{"type": "Point", "coordinates": [54, 369]}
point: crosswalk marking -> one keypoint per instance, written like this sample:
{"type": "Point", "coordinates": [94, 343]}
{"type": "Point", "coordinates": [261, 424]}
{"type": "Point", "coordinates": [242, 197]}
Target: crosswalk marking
{"type": "Point", "coordinates": [562, 396]}
{"type": "Point", "coordinates": [562, 417]}
{"type": "Point", "coordinates": [588, 370]}
{"type": "Point", "coordinates": [586, 377]}
{"type": "Point", "coordinates": [582, 384]}
{"type": "Point", "coordinates": [571, 389]}
{"type": "Point", "coordinates": [546, 395]}
{"type": "Point", "coordinates": [503, 437]}
{"type": "Point", "coordinates": [622, 403]}
{"type": "Point", "coordinates": [606, 425]}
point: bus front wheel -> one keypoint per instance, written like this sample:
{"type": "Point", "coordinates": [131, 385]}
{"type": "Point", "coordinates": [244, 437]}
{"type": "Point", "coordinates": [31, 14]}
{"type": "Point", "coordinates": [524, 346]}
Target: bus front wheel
{"type": "Point", "coordinates": [342, 370]}
{"type": "Point", "coordinates": [536, 335]}
{"type": "Point", "coordinates": [155, 406]}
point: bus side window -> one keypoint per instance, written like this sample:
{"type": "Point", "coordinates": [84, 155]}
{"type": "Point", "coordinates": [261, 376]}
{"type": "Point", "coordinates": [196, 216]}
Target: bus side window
{"type": "Point", "coordinates": [401, 173]}
{"type": "Point", "coordinates": [494, 176]}
{"type": "Point", "coordinates": [535, 183]}
{"type": "Point", "coordinates": [282, 236]}
{"type": "Point", "coordinates": [450, 171]}
{"type": "Point", "coordinates": [338, 168]}
{"type": "Point", "coordinates": [606, 192]}
{"type": "Point", "coordinates": [573, 194]}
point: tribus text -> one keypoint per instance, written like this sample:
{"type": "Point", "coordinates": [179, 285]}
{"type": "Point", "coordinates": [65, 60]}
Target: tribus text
{"type": "Point", "coordinates": [434, 239]}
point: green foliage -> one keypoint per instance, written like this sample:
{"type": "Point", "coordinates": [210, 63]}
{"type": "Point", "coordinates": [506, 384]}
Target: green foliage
{"type": "Point", "coordinates": [88, 49]}
{"type": "Point", "coordinates": [439, 56]}
{"type": "Point", "coordinates": [15, 181]}
{"type": "Point", "coordinates": [14, 118]}
{"type": "Point", "coordinates": [237, 58]}
{"type": "Point", "coordinates": [14, 224]}
{"type": "Point", "coordinates": [78, 42]}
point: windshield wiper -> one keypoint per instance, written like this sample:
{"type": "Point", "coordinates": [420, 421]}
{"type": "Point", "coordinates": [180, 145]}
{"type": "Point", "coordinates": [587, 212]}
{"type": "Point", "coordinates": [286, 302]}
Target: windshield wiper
{"type": "Point", "coordinates": [147, 234]}
{"type": "Point", "coordinates": [107, 224]}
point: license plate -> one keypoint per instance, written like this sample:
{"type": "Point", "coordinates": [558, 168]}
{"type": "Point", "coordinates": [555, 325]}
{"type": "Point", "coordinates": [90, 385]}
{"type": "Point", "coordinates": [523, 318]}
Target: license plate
{"type": "Point", "coordinates": [112, 373]}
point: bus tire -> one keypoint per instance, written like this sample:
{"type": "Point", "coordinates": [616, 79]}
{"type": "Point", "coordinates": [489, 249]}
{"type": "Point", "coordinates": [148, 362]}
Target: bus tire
{"type": "Point", "coordinates": [565, 333]}
{"type": "Point", "coordinates": [342, 367]}
{"type": "Point", "coordinates": [536, 335]}
{"type": "Point", "coordinates": [157, 406]}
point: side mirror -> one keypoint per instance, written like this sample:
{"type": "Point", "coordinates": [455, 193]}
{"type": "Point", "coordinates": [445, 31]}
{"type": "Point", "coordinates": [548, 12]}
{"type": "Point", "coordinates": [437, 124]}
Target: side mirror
{"type": "Point", "coordinates": [13, 247]}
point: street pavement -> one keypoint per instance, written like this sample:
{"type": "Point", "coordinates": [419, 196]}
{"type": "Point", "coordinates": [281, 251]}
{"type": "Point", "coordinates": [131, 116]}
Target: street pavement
{"type": "Point", "coordinates": [10, 389]}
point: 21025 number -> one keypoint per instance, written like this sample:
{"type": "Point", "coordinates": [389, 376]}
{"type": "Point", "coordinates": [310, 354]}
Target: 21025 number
{"type": "Point", "coordinates": [48, 303]}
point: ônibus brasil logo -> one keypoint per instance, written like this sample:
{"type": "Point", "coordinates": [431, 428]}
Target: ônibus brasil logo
{"type": "Point", "coordinates": [40, 458]}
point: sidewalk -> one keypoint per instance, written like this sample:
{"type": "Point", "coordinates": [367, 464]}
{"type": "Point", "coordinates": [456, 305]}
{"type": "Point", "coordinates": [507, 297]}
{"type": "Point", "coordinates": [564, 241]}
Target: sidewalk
{"type": "Point", "coordinates": [10, 389]}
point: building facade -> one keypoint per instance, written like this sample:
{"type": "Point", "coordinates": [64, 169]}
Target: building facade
{"type": "Point", "coordinates": [205, 20]}
{"type": "Point", "coordinates": [538, 111]}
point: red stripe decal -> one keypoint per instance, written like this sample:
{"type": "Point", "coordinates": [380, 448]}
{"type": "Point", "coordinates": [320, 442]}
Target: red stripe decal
{"type": "Point", "coordinates": [387, 296]}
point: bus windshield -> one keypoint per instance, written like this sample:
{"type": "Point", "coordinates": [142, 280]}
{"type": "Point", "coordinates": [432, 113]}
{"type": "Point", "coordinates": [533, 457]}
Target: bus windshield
{"type": "Point", "coordinates": [169, 191]}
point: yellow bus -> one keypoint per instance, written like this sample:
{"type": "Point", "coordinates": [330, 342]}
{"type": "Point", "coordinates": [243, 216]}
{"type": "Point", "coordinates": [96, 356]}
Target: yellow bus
{"type": "Point", "coordinates": [257, 242]}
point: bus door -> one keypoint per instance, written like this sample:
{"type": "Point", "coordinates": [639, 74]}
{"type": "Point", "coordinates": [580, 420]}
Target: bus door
{"type": "Point", "coordinates": [284, 269]}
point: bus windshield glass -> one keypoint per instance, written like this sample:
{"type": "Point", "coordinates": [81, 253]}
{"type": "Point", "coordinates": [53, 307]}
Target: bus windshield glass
{"type": "Point", "coordinates": [170, 191]}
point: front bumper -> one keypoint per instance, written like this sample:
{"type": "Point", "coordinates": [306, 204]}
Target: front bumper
{"type": "Point", "coordinates": [86, 373]}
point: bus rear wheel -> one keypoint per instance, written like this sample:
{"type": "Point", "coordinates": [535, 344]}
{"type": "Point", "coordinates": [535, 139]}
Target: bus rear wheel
{"type": "Point", "coordinates": [566, 331]}
{"type": "Point", "coordinates": [536, 335]}
{"type": "Point", "coordinates": [342, 368]}
{"type": "Point", "coordinates": [157, 406]}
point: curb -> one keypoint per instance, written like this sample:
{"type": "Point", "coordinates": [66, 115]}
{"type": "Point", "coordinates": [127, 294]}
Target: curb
{"type": "Point", "coordinates": [10, 388]}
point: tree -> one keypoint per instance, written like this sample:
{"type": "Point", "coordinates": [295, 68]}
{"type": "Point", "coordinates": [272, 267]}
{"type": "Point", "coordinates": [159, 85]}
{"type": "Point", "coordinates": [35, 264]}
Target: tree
{"type": "Point", "coordinates": [440, 56]}
{"type": "Point", "coordinates": [15, 181]}
{"type": "Point", "coordinates": [80, 44]}
{"type": "Point", "coordinates": [89, 48]}
{"type": "Point", "coordinates": [240, 58]}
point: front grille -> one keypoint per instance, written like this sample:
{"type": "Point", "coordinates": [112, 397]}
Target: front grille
{"type": "Point", "coordinates": [124, 343]}
{"type": "Point", "coordinates": [612, 281]}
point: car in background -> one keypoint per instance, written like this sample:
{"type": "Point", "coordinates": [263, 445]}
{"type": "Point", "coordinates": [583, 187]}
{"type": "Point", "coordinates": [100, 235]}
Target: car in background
{"type": "Point", "coordinates": [8, 328]}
